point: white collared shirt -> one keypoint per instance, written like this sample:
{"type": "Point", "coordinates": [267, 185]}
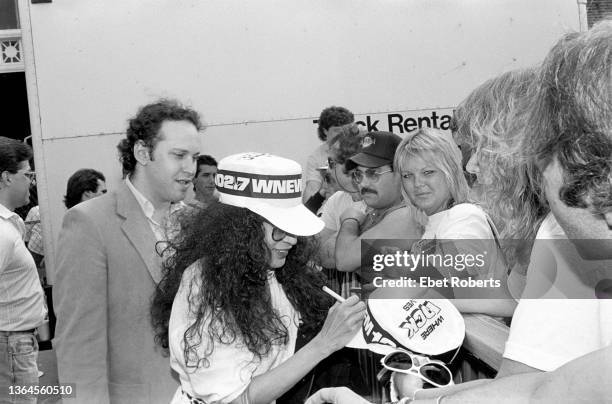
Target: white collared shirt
{"type": "Point", "coordinates": [22, 304]}
{"type": "Point", "coordinates": [161, 230]}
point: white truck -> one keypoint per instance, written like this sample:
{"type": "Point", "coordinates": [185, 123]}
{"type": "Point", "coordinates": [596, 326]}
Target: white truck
{"type": "Point", "coordinates": [259, 72]}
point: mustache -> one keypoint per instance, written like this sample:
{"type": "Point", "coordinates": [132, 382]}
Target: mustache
{"type": "Point", "coordinates": [367, 190]}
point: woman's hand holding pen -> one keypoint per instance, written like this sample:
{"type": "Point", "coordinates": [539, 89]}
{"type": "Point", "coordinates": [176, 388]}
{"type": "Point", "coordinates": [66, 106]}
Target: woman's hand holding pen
{"type": "Point", "coordinates": [342, 322]}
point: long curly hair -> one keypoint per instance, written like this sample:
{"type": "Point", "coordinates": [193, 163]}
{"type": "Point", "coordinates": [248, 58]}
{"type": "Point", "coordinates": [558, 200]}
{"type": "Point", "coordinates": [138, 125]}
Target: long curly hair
{"type": "Point", "coordinates": [234, 305]}
{"type": "Point", "coordinates": [491, 120]}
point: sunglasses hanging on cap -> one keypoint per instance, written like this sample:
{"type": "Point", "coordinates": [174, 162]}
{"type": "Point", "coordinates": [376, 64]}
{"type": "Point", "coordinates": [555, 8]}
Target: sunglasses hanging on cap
{"type": "Point", "coordinates": [431, 371]}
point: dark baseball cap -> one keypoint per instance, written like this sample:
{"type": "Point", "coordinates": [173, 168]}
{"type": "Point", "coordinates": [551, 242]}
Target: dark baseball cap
{"type": "Point", "coordinates": [377, 149]}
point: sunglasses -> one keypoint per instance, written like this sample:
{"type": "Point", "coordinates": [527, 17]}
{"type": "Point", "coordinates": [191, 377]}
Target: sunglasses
{"type": "Point", "coordinates": [431, 371]}
{"type": "Point", "coordinates": [278, 234]}
{"type": "Point", "coordinates": [372, 175]}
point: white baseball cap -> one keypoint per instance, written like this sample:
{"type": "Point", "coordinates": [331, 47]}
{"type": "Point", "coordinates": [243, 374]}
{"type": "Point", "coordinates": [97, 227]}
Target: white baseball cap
{"type": "Point", "coordinates": [270, 186]}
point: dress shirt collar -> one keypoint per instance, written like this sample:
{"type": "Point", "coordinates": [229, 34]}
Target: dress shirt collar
{"type": "Point", "coordinates": [147, 207]}
{"type": "Point", "coordinates": [5, 213]}
{"type": "Point", "coordinates": [14, 218]}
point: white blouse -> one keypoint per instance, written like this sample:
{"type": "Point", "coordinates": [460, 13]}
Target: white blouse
{"type": "Point", "coordinates": [231, 367]}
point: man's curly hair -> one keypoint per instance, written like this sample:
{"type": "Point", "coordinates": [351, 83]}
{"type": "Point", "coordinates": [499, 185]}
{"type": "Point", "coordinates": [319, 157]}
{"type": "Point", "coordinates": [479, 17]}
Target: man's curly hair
{"type": "Point", "coordinates": [347, 143]}
{"type": "Point", "coordinates": [333, 116]}
{"type": "Point", "coordinates": [145, 127]}
{"type": "Point", "coordinates": [234, 305]}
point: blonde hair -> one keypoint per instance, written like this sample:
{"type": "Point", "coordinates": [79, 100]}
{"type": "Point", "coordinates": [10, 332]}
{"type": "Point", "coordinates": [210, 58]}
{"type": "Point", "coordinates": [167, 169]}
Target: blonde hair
{"type": "Point", "coordinates": [571, 117]}
{"type": "Point", "coordinates": [445, 155]}
{"type": "Point", "coordinates": [493, 118]}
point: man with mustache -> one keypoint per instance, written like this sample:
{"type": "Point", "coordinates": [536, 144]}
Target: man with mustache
{"type": "Point", "coordinates": [569, 138]}
{"type": "Point", "coordinates": [380, 187]}
{"type": "Point", "coordinates": [109, 264]}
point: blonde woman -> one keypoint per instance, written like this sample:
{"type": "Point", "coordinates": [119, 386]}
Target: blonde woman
{"type": "Point", "coordinates": [429, 163]}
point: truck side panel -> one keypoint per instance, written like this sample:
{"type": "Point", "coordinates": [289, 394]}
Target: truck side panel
{"type": "Point", "coordinates": [258, 71]}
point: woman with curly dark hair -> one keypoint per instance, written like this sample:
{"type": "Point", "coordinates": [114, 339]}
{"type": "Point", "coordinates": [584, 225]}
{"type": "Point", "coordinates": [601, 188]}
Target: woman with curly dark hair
{"type": "Point", "coordinates": [237, 284]}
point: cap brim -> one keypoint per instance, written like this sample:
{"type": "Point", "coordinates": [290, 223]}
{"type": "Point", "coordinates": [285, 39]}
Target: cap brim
{"type": "Point", "coordinates": [296, 220]}
{"type": "Point", "coordinates": [369, 161]}
{"type": "Point", "coordinates": [359, 342]}
{"type": "Point", "coordinates": [446, 333]}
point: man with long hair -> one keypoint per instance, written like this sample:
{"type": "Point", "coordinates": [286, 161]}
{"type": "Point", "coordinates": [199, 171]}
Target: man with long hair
{"type": "Point", "coordinates": [569, 141]}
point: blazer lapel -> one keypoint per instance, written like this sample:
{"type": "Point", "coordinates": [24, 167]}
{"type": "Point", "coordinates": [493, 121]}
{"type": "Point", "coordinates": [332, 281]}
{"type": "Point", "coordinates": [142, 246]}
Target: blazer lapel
{"type": "Point", "coordinates": [137, 229]}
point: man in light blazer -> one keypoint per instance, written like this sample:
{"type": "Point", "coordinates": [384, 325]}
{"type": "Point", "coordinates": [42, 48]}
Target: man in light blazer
{"type": "Point", "coordinates": [108, 264]}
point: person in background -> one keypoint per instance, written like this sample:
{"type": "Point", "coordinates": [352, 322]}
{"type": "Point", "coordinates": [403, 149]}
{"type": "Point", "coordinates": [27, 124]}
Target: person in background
{"type": "Point", "coordinates": [490, 124]}
{"type": "Point", "coordinates": [204, 181]}
{"type": "Point", "coordinates": [344, 146]}
{"type": "Point", "coordinates": [22, 304]}
{"type": "Point", "coordinates": [568, 139]}
{"type": "Point", "coordinates": [108, 264]}
{"type": "Point", "coordinates": [23, 211]}
{"type": "Point", "coordinates": [237, 285]}
{"type": "Point", "coordinates": [84, 185]}
{"type": "Point", "coordinates": [342, 367]}
{"type": "Point", "coordinates": [328, 188]}
{"type": "Point", "coordinates": [330, 121]}
{"type": "Point", "coordinates": [492, 120]}
{"type": "Point", "coordinates": [34, 235]}
{"type": "Point", "coordinates": [379, 184]}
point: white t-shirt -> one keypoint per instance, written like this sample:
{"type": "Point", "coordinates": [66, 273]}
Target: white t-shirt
{"type": "Point", "coordinates": [466, 222]}
{"type": "Point", "coordinates": [548, 332]}
{"type": "Point", "coordinates": [335, 206]}
{"type": "Point", "coordinates": [462, 221]}
{"type": "Point", "coordinates": [230, 367]}
{"type": "Point", "coordinates": [317, 159]}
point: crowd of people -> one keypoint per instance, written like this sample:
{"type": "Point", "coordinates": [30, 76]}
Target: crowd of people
{"type": "Point", "coordinates": [222, 300]}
